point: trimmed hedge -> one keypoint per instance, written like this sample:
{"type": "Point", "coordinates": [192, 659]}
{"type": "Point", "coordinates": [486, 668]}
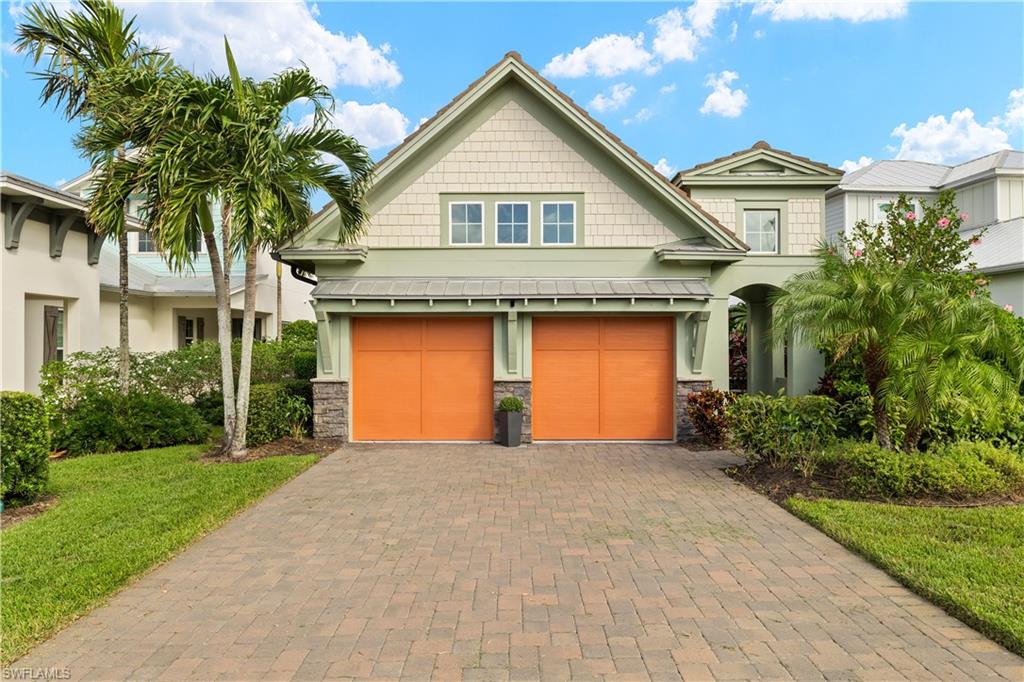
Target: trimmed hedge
{"type": "Point", "coordinates": [965, 470]}
{"type": "Point", "coordinates": [781, 429]}
{"type": "Point", "coordinates": [267, 409]}
{"type": "Point", "coordinates": [24, 446]}
{"type": "Point", "coordinates": [107, 421]}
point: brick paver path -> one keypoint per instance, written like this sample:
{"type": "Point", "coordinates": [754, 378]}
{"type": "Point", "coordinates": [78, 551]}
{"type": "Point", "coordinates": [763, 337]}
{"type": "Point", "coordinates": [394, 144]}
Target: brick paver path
{"type": "Point", "coordinates": [620, 561]}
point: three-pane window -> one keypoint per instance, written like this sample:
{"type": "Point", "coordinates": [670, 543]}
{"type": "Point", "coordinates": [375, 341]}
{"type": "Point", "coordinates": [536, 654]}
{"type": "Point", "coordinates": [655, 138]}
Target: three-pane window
{"type": "Point", "coordinates": [467, 223]}
{"type": "Point", "coordinates": [559, 226]}
{"type": "Point", "coordinates": [513, 223]}
{"type": "Point", "coordinates": [761, 230]}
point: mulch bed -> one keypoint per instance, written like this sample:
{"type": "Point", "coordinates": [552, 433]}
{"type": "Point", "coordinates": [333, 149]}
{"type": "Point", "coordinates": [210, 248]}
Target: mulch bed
{"type": "Point", "coordinates": [779, 484]}
{"type": "Point", "coordinates": [321, 447]}
{"type": "Point", "coordinates": [13, 515]}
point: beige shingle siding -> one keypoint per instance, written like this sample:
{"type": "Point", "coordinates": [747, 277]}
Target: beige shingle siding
{"type": "Point", "coordinates": [804, 225]}
{"type": "Point", "coordinates": [512, 152]}
{"type": "Point", "coordinates": [723, 208]}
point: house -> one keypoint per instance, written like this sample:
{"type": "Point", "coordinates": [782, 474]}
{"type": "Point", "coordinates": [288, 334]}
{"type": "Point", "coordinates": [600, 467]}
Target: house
{"type": "Point", "coordinates": [989, 189]}
{"type": "Point", "coordinates": [516, 246]}
{"type": "Point", "coordinates": [61, 292]}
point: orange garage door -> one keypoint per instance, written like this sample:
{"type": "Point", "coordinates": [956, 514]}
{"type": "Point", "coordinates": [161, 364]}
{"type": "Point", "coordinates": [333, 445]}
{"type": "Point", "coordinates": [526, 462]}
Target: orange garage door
{"type": "Point", "coordinates": [422, 379]}
{"type": "Point", "coordinates": [602, 378]}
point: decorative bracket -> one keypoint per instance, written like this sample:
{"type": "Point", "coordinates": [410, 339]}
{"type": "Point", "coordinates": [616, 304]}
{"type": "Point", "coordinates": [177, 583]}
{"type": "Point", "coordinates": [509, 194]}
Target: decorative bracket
{"type": "Point", "coordinates": [95, 246]}
{"type": "Point", "coordinates": [700, 335]}
{"type": "Point", "coordinates": [323, 335]}
{"type": "Point", "coordinates": [60, 224]}
{"type": "Point", "coordinates": [512, 341]}
{"type": "Point", "coordinates": [15, 215]}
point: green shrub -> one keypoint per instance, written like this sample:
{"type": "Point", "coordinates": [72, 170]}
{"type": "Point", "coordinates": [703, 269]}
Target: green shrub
{"type": "Point", "coordinates": [304, 365]}
{"type": "Point", "coordinates": [210, 407]}
{"type": "Point", "coordinates": [267, 414]}
{"type": "Point", "coordinates": [960, 471]}
{"type": "Point", "coordinates": [707, 413]}
{"type": "Point", "coordinates": [511, 403]}
{"type": "Point", "coordinates": [301, 388]}
{"type": "Point", "coordinates": [24, 447]}
{"type": "Point", "coordinates": [781, 430]}
{"type": "Point", "coordinates": [300, 334]}
{"type": "Point", "coordinates": [297, 414]}
{"type": "Point", "coordinates": [107, 421]}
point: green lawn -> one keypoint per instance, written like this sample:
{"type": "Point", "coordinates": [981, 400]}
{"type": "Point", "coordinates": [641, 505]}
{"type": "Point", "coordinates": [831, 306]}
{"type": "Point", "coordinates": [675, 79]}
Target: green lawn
{"type": "Point", "coordinates": [968, 561]}
{"type": "Point", "coordinates": [118, 515]}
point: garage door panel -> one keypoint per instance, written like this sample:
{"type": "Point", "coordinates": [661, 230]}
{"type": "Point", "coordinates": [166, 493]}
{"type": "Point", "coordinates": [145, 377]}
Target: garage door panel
{"type": "Point", "coordinates": [386, 395]}
{"type": "Point", "coordinates": [566, 333]}
{"type": "Point", "coordinates": [565, 404]}
{"type": "Point", "coordinates": [645, 333]}
{"type": "Point", "coordinates": [455, 386]}
{"type": "Point", "coordinates": [437, 386]}
{"type": "Point", "coordinates": [636, 398]}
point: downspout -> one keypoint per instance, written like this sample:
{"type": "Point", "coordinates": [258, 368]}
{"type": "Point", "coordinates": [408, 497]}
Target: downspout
{"type": "Point", "coordinates": [296, 272]}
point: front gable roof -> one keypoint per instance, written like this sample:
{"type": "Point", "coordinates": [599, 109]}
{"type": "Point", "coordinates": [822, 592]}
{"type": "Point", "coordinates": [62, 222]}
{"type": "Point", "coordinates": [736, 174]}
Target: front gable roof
{"type": "Point", "coordinates": [761, 164]}
{"type": "Point", "coordinates": [512, 67]}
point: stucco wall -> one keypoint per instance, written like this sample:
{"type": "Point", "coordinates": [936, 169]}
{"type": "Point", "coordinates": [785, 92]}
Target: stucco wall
{"type": "Point", "coordinates": [512, 152]}
{"type": "Point", "coordinates": [28, 274]}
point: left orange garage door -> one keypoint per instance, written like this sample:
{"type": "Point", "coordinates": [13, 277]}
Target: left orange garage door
{"type": "Point", "coordinates": [426, 378]}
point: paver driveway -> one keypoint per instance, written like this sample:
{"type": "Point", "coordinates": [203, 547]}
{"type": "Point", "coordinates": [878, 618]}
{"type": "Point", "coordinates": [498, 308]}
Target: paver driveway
{"type": "Point", "coordinates": [628, 561]}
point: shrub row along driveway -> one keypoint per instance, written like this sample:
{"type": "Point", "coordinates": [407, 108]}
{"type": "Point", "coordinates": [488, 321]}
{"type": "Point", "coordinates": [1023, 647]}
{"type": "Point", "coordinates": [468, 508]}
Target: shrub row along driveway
{"type": "Point", "coordinates": [629, 560]}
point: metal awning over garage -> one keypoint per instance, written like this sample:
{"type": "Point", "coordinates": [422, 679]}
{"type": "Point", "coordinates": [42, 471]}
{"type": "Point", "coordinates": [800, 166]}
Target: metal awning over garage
{"type": "Point", "coordinates": [450, 288]}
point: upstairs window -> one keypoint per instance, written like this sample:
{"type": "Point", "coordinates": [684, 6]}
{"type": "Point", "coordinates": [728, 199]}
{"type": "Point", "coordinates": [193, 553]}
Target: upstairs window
{"type": "Point", "coordinates": [761, 231]}
{"type": "Point", "coordinates": [467, 223]}
{"type": "Point", "coordinates": [559, 223]}
{"type": "Point", "coordinates": [146, 243]}
{"type": "Point", "coordinates": [513, 220]}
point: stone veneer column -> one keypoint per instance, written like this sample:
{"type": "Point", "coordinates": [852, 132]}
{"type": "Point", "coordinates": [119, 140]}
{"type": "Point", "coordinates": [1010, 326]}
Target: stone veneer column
{"type": "Point", "coordinates": [684, 427]}
{"type": "Point", "coordinates": [522, 390]}
{"type": "Point", "coordinates": [330, 409]}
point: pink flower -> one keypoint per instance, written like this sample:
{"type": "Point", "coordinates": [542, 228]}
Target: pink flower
{"type": "Point", "coordinates": [976, 241]}
{"type": "Point", "coordinates": [911, 215]}
{"type": "Point", "coordinates": [857, 253]}
{"type": "Point", "coordinates": [943, 222]}
{"type": "Point", "coordinates": [963, 216]}
{"type": "Point", "coordinates": [1008, 308]}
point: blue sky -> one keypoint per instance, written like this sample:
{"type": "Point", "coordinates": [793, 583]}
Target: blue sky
{"type": "Point", "coordinates": [681, 83]}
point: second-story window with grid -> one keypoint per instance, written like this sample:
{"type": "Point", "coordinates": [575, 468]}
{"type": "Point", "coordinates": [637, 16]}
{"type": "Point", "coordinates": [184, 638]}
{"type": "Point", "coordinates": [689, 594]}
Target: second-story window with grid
{"type": "Point", "coordinates": [513, 223]}
{"type": "Point", "coordinates": [467, 223]}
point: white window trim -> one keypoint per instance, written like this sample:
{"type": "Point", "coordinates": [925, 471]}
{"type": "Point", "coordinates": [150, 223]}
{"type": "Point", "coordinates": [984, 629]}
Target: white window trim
{"type": "Point", "coordinates": [778, 230]}
{"type": "Point", "coordinates": [517, 203]}
{"type": "Point", "coordinates": [877, 203]}
{"type": "Point", "coordinates": [574, 223]}
{"type": "Point", "coordinates": [451, 223]}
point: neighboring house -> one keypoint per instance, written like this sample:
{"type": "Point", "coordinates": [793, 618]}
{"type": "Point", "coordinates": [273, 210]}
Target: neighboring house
{"type": "Point", "coordinates": [516, 246]}
{"type": "Point", "coordinates": [61, 293]}
{"type": "Point", "coordinates": [989, 189]}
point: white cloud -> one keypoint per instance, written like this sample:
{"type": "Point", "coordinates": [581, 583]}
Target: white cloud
{"type": "Point", "coordinates": [674, 40]}
{"type": "Point", "coordinates": [639, 117]}
{"type": "Point", "coordinates": [849, 166]}
{"type": "Point", "coordinates": [702, 14]}
{"type": "Point", "coordinates": [758, 34]}
{"type": "Point", "coordinates": [938, 140]}
{"type": "Point", "coordinates": [1013, 119]}
{"type": "Point", "coordinates": [733, 31]}
{"type": "Point", "coordinates": [265, 38]}
{"type": "Point", "coordinates": [723, 100]}
{"type": "Point", "coordinates": [607, 56]}
{"type": "Point", "coordinates": [666, 89]}
{"type": "Point", "coordinates": [664, 167]}
{"type": "Point", "coordinates": [856, 11]}
{"type": "Point", "coordinates": [618, 95]}
{"type": "Point", "coordinates": [374, 125]}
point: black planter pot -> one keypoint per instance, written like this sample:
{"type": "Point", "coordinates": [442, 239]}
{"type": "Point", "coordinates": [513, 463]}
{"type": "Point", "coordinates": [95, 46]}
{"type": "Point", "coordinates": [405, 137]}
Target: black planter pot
{"type": "Point", "coordinates": [510, 429]}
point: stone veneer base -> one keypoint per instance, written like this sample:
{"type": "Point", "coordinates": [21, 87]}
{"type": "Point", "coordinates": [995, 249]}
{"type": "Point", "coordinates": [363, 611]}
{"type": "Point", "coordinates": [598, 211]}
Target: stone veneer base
{"type": "Point", "coordinates": [684, 427]}
{"type": "Point", "coordinates": [330, 409]}
{"type": "Point", "coordinates": [522, 390]}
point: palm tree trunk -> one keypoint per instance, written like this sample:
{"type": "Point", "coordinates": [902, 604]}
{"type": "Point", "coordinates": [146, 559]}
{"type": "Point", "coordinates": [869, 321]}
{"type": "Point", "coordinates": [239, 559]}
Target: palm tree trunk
{"type": "Point", "coordinates": [278, 313]}
{"type": "Point", "coordinates": [222, 297]}
{"type": "Point", "coordinates": [912, 437]}
{"type": "Point", "coordinates": [874, 374]}
{"type": "Point", "coordinates": [245, 364]}
{"type": "Point", "coordinates": [124, 352]}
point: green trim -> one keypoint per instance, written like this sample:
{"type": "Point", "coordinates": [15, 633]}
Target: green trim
{"type": "Point", "coordinates": [489, 201]}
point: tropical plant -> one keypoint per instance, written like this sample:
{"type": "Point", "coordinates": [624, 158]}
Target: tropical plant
{"type": "Point", "coordinates": [79, 46]}
{"type": "Point", "coordinates": [924, 333]}
{"type": "Point", "coordinates": [228, 139]}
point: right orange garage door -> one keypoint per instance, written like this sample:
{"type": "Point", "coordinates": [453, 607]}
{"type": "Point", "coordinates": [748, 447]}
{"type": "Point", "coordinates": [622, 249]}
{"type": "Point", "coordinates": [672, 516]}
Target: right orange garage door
{"type": "Point", "coordinates": [603, 378]}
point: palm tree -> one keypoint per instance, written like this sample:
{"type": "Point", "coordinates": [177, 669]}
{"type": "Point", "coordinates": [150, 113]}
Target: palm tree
{"type": "Point", "coordinates": [226, 139]}
{"type": "Point", "coordinates": [80, 45]}
{"type": "Point", "coordinates": [919, 338]}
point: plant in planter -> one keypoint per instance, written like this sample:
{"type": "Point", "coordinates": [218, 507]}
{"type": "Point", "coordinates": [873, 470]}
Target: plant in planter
{"type": "Point", "coordinates": [510, 421]}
